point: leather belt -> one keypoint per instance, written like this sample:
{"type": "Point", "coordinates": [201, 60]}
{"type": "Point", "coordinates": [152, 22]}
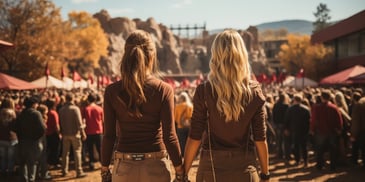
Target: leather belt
{"type": "Point", "coordinates": [140, 156]}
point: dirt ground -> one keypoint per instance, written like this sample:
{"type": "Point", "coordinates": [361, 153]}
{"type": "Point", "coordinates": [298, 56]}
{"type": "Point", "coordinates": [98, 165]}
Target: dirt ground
{"type": "Point", "coordinates": [279, 170]}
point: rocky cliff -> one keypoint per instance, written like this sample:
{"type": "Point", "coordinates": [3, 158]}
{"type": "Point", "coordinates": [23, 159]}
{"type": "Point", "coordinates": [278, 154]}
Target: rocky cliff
{"type": "Point", "coordinates": [175, 55]}
{"type": "Point", "coordinates": [118, 29]}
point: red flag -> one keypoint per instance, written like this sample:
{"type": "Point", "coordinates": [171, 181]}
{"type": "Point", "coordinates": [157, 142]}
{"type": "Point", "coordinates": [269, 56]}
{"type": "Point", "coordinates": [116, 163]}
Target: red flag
{"type": "Point", "coordinates": [262, 78]}
{"type": "Point", "coordinates": [91, 79]}
{"type": "Point", "coordinates": [106, 80]}
{"type": "Point", "coordinates": [47, 72]}
{"type": "Point", "coordinates": [281, 78]}
{"type": "Point", "coordinates": [300, 73]}
{"type": "Point", "coordinates": [62, 73]}
{"type": "Point", "coordinates": [76, 76]}
{"type": "Point", "coordinates": [185, 83]}
{"type": "Point", "coordinates": [273, 78]}
{"type": "Point", "coordinates": [200, 79]}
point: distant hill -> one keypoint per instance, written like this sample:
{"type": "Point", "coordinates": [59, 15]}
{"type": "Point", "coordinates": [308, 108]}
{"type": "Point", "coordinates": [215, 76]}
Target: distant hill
{"type": "Point", "coordinates": [293, 26]}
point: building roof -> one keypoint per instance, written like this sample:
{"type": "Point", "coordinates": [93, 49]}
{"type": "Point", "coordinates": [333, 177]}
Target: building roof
{"type": "Point", "coordinates": [347, 26]}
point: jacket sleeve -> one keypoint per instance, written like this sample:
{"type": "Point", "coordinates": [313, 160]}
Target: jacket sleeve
{"type": "Point", "coordinates": [109, 129]}
{"type": "Point", "coordinates": [260, 117]}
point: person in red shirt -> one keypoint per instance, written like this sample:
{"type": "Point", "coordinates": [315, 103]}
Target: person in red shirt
{"type": "Point", "coordinates": [53, 133]}
{"type": "Point", "coordinates": [93, 116]}
{"type": "Point", "coordinates": [326, 125]}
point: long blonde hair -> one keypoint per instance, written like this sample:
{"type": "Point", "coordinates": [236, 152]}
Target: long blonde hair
{"type": "Point", "coordinates": [230, 74]}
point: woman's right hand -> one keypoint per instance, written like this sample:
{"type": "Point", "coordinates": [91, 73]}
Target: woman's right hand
{"type": "Point", "coordinates": [106, 175]}
{"type": "Point", "coordinates": [180, 175]}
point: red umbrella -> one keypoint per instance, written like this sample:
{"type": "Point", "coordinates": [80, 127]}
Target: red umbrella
{"type": "Point", "coordinates": [11, 83]}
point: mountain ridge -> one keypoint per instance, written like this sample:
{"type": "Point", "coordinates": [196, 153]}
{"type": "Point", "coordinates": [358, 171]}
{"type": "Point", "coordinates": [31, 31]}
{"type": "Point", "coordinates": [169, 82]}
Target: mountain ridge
{"type": "Point", "coordinates": [297, 26]}
{"type": "Point", "coordinates": [293, 26]}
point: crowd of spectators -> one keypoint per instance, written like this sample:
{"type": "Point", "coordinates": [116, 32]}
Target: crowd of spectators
{"type": "Point", "coordinates": [299, 120]}
{"type": "Point", "coordinates": [322, 120]}
{"type": "Point", "coordinates": [39, 129]}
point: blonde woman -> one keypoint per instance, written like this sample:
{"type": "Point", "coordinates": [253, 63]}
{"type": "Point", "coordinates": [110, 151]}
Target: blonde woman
{"type": "Point", "coordinates": [183, 112]}
{"type": "Point", "coordinates": [230, 108]}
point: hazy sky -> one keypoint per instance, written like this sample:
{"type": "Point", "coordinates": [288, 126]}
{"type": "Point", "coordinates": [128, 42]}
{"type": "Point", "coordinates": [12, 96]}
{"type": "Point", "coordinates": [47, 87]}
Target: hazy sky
{"type": "Point", "coordinates": [215, 13]}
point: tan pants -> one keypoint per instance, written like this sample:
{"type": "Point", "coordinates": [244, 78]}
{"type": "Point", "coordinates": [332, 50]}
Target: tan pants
{"type": "Point", "coordinates": [76, 143]}
{"type": "Point", "coordinates": [144, 169]}
{"type": "Point", "coordinates": [232, 166]}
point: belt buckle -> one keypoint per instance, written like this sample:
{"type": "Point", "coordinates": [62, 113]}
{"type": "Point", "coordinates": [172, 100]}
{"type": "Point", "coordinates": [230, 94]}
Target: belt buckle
{"type": "Point", "coordinates": [137, 157]}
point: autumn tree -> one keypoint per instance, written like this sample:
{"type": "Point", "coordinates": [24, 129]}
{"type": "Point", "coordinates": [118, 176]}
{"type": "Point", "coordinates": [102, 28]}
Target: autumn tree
{"type": "Point", "coordinates": [35, 28]}
{"type": "Point", "coordinates": [41, 37]}
{"type": "Point", "coordinates": [270, 34]}
{"type": "Point", "coordinates": [322, 17]}
{"type": "Point", "coordinates": [299, 53]}
{"type": "Point", "coordinates": [87, 42]}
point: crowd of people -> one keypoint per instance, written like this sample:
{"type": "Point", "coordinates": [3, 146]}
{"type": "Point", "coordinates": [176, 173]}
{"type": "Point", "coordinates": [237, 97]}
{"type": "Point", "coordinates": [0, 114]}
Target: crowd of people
{"type": "Point", "coordinates": [317, 119]}
{"type": "Point", "coordinates": [140, 124]}
{"type": "Point", "coordinates": [293, 119]}
{"type": "Point", "coordinates": [39, 129]}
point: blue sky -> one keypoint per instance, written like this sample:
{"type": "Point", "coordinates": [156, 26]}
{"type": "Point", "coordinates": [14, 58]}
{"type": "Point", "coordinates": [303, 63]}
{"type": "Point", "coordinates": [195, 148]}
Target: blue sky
{"type": "Point", "coordinates": [216, 14]}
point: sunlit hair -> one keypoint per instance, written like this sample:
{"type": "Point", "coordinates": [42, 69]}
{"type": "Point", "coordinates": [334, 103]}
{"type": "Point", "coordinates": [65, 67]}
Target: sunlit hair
{"type": "Point", "coordinates": [340, 101]}
{"type": "Point", "coordinates": [138, 62]}
{"type": "Point", "coordinates": [230, 74]}
{"type": "Point", "coordinates": [184, 97]}
{"type": "Point", "coordinates": [7, 103]}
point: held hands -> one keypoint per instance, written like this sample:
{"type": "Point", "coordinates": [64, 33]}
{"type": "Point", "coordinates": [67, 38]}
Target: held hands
{"type": "Point", "coordinates": [106, 175]}
{"type": "Point", "coordinates": [181, 178]}
{"type": "Point", "coordinates": [180, 175]}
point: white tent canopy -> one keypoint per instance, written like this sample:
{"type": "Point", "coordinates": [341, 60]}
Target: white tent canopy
{"type": "Point", "coordinates": [50, 83]}
{"type": "Point", "coordinates": [69, 83]}
{"type": "Point", "coordinates": [299, 82]}
{"type": "Point", "coordinates": [66, 83]}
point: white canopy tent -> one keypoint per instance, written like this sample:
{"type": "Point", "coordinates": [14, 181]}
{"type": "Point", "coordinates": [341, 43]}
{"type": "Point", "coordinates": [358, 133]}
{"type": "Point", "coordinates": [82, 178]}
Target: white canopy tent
{"type": "Point", "coordinates": [69, 83]}
{"type": "Point", "coordinates": [50, 83]}
{"type": "Point", "coordinates": [299, 82]}
{"type": "Point", "coordinates": [66, 83]}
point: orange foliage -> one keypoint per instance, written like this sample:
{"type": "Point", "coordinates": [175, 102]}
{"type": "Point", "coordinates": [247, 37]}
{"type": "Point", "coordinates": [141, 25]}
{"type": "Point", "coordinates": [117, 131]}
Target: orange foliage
{"type": "Point", "coordinates": [300, 53]}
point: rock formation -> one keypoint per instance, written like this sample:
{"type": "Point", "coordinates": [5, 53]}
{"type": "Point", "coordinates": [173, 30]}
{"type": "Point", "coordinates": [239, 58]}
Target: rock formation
{"type": "Point", "coordinates": [117, 29]}
{"type": "Point", "coordinates": [174, 55]}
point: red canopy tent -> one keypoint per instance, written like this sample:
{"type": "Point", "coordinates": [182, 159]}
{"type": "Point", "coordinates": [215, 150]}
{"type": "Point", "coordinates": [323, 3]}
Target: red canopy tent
{"type": "Point", "coordinates": [11, 83]}
{"type": "Point", "coordinates": [358, 79]}
{"type": "Point", "coordinates": [344, 77]}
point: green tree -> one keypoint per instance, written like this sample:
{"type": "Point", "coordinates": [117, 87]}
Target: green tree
{"type": "Point", "coordinates": [300, 53]}
{"type": "Point", "coordinates": [322, 17]}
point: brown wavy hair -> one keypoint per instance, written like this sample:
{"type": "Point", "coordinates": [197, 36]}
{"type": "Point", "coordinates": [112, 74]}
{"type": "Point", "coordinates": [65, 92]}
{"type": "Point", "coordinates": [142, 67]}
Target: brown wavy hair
{"type": "Point", "coordinates": [138, 62]}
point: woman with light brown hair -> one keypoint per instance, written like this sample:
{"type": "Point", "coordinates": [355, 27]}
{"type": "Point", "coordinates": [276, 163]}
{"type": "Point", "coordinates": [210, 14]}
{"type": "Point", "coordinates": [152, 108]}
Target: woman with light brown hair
{"type": "Point", "coordinates": [8, 138]}
{"type": "Point", "coordinates": [139, 118]}
{"type": "Point", "coordinates": [230, 109]}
